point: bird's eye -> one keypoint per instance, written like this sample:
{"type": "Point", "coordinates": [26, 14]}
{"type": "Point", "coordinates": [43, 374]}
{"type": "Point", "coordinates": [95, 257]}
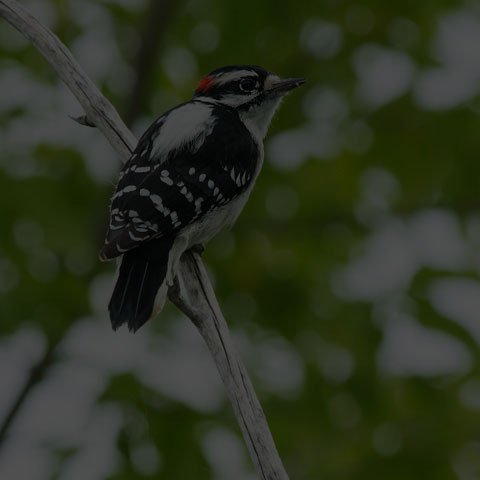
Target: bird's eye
{"type": "Point", "coordinates": [247, 84]}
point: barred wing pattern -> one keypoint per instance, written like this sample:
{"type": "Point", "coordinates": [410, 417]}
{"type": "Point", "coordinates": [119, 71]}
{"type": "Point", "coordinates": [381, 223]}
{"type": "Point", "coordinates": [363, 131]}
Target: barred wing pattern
{"type": "Point", "coordinates": [166, 186]}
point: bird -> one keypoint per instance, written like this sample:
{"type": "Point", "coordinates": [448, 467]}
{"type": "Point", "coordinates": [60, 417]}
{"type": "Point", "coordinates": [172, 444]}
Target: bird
{"type": "Point", "coordinates": [189, 177]}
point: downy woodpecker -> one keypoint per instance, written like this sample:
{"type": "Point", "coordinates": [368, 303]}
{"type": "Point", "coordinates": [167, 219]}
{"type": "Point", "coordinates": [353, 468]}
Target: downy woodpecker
{"type": "Point", "coordinates": [189, 176]}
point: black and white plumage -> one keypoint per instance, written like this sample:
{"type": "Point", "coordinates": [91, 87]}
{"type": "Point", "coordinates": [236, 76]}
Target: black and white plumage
{"type": "Point", "coordinates": [189, 177]}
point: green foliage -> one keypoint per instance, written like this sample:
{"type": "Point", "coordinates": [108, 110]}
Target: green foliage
{"type": "Point", "coordinates": [350, 280]}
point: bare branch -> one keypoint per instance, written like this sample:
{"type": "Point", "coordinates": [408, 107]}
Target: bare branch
{"type": "Point", "coordinates": [36, 375]}
{"type": "Point", "coordinates": [196, 298]}
{"type": "Point", "coordinates": [193, 292]}
{"type": "Point", "coordinates": [99, 110]}
{"type": "Point", "coordinates": [83, 120]}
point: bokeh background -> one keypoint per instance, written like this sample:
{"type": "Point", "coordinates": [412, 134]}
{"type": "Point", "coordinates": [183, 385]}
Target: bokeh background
{"type": "Point", "coordinates": [350, 282]}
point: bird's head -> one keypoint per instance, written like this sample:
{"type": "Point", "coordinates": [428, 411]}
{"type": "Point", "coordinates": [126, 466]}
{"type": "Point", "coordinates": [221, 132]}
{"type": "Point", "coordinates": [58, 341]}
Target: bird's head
{"type": "Point", "coordinates": [237, 85]}
{"type": "Point", "coordinates": [251, 90]}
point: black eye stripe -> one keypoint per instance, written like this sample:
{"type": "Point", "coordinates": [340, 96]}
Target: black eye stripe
{"type": "Point", "coordinates": [240, 86]}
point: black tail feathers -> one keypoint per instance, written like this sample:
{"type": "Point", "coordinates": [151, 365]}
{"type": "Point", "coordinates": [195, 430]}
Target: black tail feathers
{"type": "Point", "coordinates": [140, 290]}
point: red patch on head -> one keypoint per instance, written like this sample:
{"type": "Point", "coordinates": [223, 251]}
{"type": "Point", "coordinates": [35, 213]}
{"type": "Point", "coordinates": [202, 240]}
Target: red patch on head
{"type": "Point", "coordinates": [204, 84]}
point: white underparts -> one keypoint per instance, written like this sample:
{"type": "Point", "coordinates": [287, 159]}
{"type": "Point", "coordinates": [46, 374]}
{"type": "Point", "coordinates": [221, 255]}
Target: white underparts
{"type": "Point", "coordinates": [258, 118]}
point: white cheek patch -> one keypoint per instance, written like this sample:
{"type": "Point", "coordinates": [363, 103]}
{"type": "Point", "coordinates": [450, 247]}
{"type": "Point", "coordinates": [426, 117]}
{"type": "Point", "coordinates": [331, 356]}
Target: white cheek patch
{"type": "Point", "coordinates": [234, 99]}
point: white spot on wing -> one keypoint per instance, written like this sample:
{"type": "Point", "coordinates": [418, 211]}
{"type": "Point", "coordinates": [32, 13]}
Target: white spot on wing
{"type": "Point", "coordinates": [157, 201]}
{"type": "Point", "coordinates": [167, 180]}
{"type": "Point", "coordinates": [133, 237]}
{"type": "Point", "coordinates": [159, 204]}
{"type": "Point", "coordinates": [142, 169]}
{"type": "Point", "coordinates": [198, 204]}
{"type": "Point", "coordinates": [128, 188]}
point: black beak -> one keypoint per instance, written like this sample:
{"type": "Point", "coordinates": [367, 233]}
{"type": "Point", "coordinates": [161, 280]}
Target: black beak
{"type": "Point", "coordinates": [285, 85]}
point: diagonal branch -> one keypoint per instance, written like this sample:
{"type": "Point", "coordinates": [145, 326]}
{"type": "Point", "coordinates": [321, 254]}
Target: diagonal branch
{"type": "Point", "coordinates": [99, 110]}
{"type": "Point", "coordinates": [197, 300]}
{"type": "Point", "coordinates": [193, 292]}
{"type": "Point", "coordinates": [35, 376]}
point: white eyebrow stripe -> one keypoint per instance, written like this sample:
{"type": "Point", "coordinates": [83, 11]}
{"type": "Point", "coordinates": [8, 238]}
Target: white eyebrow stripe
{"type": "Point", "coordinates": [237, 74]}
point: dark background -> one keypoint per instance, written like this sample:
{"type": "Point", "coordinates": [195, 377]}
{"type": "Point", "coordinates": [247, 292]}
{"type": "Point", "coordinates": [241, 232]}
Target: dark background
{"type": "Point", "coordinates": [350, 282]}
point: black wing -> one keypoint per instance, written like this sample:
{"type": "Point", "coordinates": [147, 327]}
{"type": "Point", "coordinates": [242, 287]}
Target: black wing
{"type": "Point", "coordinates": [158, 197]}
